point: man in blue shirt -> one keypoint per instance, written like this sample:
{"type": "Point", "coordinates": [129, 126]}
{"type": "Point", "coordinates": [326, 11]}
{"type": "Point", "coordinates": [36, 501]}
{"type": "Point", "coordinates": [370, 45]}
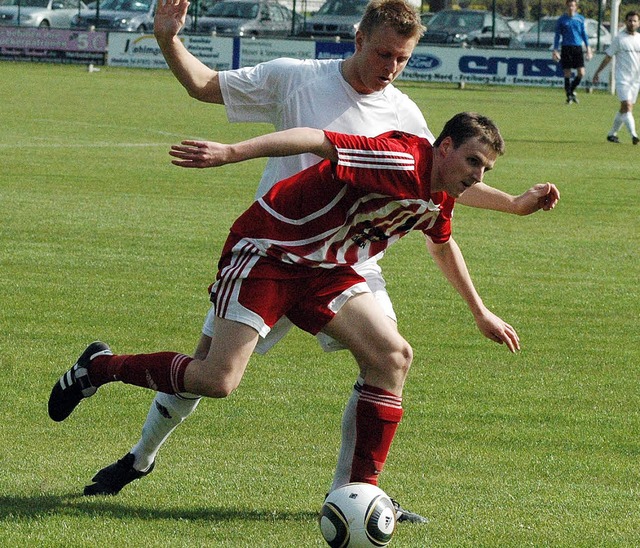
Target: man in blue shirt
{"type": "Point", "coordinates": [571, 30]}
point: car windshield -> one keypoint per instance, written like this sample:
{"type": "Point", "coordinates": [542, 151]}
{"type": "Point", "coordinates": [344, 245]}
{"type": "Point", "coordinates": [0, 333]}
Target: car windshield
{"type": "Point", "coordinates": [343, 7]}
{"type": "Point", "coordinates": [546, 25]}
{"type": "Point", "coordinates": [25, 3]}
{"type": "Point", "coordinates": [234, 10]}
{"type": "Point", "coordinates": [456, 20]}
{"type": "Point", "coordinates": [125, 5]}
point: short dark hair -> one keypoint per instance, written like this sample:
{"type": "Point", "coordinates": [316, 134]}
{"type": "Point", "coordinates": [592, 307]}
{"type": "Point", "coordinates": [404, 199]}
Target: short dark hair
{"type": "Point", "coordinates": [467, 125]}
{"type": "Point", "coordinates": [397, 14]}
{"type": "Point", "coordinates": [631, 14]}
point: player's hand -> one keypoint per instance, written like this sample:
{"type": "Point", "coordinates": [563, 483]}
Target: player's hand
{"type": "Point", "coordinates": [169, 18]}
{"type": "Point", "coordinates": [543, 196]}
{"type": "Point", "coordinates": [555, 55]}
{"type": "Point", "coordinates": [200, 154]}
{"type": "Point", "coordinates": [496, 329]}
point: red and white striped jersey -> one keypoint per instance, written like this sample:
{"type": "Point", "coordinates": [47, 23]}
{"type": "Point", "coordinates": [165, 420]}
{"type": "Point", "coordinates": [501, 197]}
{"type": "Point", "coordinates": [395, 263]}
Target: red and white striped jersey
{"type": "Point", "coordinates": [346, 212]}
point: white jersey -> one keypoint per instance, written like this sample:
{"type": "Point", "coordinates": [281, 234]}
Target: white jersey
{"type": "Point", "coordinates": [626, 49]}
{"type": "Point", "coordinates": [280, 92]}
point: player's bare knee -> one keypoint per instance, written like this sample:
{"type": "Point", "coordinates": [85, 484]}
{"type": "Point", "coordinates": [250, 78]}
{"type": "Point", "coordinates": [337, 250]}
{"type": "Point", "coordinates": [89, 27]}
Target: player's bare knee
{"type": "Point", "coordinates": [212, 382]}
{"type": "Point", "coordinates": [221, 388]}
{"type": "Point", "coordinates": [397, 359]}
{"type": "Point", "coordinates": [405, 358]}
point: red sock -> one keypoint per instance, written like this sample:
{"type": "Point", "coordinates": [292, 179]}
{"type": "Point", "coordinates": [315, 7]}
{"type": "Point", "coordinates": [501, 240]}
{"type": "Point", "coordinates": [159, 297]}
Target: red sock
{"type": "Point", "coordinates": [163, 371]}
{"type": "Point", "coordinates": [377, 417]}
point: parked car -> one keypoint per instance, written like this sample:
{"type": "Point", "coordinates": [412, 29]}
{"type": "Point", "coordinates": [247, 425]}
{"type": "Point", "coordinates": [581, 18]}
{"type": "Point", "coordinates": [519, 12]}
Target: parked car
{"type": "Point", "coordinates": [519, 26]}
{"type": "Point", "coordinates": [469, 28]}
{"type": "Point", "coordinates": [246, 18]}
{"type": "Point", "coordinates": [541, 34]}
{"type": "Point", "coordinates": [118, 15]}
{"type": "Point", "coordinates": [336, 18]}
{"type": "Point", "coordinates": [426, 17]}
{"type": "Point", "coordinates": [40, 13]}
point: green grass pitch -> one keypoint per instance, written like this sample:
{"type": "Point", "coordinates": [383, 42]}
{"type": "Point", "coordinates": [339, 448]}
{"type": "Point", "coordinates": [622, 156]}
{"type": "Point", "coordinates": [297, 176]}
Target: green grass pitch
{"type": "Point", "coordinates": [101, 237]}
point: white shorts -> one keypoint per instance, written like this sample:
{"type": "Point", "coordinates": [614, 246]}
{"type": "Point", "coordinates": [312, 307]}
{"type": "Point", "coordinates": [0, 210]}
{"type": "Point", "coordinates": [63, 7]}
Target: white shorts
{"type": "Point", "coordinates": [370, 270]}
{"type": "Point", "coordinates": [627, 91]}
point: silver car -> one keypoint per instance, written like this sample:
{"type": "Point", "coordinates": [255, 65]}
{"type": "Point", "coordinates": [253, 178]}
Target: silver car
{"type": "Point", "coordinates": [541, 34]}
{"type": "Point", "coordinates": [118, 15]}
{"type": "Point", "coordinates": [469, 28]}
{"type": "Point", "coordinates": [336, 18]}
{"type": "Point", "coordinates": [40, 13]}
{"type": "Point", "coordinates": [245, 18]}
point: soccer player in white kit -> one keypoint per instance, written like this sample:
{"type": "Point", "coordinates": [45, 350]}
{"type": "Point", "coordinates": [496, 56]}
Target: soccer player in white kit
{"type": "Point", "coordinates": [625, 47]}
{"type": "Point", "coordinates": [354, 96]}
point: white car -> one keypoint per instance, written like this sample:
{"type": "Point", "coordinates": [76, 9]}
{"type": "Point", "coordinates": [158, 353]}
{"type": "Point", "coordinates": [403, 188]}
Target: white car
{"type": "Point", "coordinates": [541, 34]}
{"type": "Point", "coordinates": [40, 13]}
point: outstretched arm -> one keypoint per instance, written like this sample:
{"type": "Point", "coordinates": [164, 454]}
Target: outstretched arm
{"type": "Point", "coordinates": [299, 140]}
{"type": "Point", "coordinates": [200, 81]}
{"type": "Point", "coordinates": [449, 259]}
{"type": "Point", "coordinates": [543, 196]}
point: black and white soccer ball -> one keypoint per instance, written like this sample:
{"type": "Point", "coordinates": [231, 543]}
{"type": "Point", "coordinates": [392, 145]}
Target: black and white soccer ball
{"type": "Point", "coordinates": [357, 515]}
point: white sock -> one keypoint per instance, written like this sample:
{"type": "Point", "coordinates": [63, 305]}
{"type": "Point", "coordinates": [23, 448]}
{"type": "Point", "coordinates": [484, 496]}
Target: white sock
{"type": "Point", "coordinates": [617, 123]}
{"type": "Point", "coordinates": [628, 120]}
{"type": "Point", "coordinates": [167, 411]}
{"type": "Point", "coordinates": [348, 442]}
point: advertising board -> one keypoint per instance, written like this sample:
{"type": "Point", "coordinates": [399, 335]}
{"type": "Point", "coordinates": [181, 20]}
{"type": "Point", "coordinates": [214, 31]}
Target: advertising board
{"type": "Point", "coordinates": [142, 51]}
{"type": "Point", "coordinates": [497, 66]}
{"type": "Point", "coordinates": [52, 45]}
{"type": "Point", "coordinates": [254, 51]}
{"type": "Point", "coordinates": [490, 66]}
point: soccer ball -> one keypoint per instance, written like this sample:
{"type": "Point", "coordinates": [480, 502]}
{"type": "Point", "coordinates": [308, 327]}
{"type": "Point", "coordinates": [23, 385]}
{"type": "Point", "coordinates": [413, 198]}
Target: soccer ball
{"type": "Point", "coordinates": [357, 515]}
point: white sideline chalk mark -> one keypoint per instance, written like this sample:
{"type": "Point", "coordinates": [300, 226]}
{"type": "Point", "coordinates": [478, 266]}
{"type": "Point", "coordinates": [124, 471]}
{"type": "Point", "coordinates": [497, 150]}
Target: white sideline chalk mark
{"type": "Point", "coordinates": [113, 126]}
{"type": "Point", "coordinates": [45, 143]}
{"type": "Point", "coordinates": [80, 145]}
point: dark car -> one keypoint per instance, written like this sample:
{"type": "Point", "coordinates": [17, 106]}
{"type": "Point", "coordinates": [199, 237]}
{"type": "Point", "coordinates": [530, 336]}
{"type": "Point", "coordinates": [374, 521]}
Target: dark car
{"type": "Point", "coordinates": [336, 18]}
{"type": "Point", "coordinates": [246, 18]}
{"type": "Point", "coordinates": [426, 17]}
{"type": "Point", "coordinates": [118, 15]}
{"type": "Point", "coordinates": [469, 28]}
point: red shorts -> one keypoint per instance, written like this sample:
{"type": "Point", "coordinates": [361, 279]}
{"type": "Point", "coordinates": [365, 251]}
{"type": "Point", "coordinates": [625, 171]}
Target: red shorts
{"type": "Point", "coordinates": [258, 290]}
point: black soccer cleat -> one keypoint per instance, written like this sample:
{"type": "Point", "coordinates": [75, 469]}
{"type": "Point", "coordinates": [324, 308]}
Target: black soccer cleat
{"type": "Point", "coordinates": [574, 98]}
{"type": "Point", "coordinates": [74, 385]}
{"type": "Point", "coordinates": [635, 140]}
{"type": "Point", "coordinates": [111, 479]}
{"type": "Point", "coordinates": [613, 139]}
{"type": "Point", "coordinates": [404, 515]}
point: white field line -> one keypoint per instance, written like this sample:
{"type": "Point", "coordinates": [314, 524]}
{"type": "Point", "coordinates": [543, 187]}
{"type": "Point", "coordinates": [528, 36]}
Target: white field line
{"type": "Point", "coordinates": [80, 145]}
{"type": "Point", "coordinates": [45, 141]}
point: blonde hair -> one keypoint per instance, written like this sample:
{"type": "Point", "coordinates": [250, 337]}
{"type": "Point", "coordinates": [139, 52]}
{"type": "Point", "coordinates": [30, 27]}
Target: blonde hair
{"type": "Point", "coordinates": [397, 14]}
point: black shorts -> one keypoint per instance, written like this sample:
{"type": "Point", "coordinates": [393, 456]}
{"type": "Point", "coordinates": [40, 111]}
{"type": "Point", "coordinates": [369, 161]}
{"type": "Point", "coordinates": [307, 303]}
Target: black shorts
{"type": "Point", "coordinates": [571, 57]}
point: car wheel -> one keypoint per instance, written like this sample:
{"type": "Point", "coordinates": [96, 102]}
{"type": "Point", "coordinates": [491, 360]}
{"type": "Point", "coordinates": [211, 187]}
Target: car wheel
{"type": "Point", "coordinates": [44, 24]}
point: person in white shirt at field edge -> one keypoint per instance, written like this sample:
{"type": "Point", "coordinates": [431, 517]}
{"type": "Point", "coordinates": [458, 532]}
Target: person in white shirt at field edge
{"type": "Point", "coordinates": [625, 47]}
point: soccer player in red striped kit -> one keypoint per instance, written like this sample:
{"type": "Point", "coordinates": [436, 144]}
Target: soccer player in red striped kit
{"type": "Point", "coordinates": [355, 95]}
{"type": "Point", "coordinates": [296, 246]}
